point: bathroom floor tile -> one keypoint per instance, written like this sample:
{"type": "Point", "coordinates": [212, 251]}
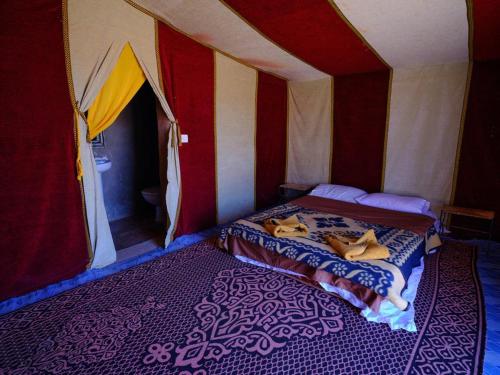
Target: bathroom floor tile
{"type": "Point", "coordinates": [133, 230]}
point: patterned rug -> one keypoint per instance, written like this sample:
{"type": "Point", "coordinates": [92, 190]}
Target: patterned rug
{"type": "Point", "coordinates": [199, 311]}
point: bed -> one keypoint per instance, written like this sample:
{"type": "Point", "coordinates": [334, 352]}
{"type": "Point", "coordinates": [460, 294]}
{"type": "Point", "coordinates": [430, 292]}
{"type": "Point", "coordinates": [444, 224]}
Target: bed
{"type": "Point", "coordinates": [384, 290]}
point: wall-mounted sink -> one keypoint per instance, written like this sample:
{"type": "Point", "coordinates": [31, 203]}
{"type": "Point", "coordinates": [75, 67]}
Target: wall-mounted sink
{"type": "Point", "coordinates": [103, 164]}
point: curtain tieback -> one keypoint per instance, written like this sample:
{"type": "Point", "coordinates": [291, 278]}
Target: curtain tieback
{"type": "Point", "coordinates": [82, 114]}
{"type": "Point", "coordinates": [178, 138]}
{"type": "Point", "coordinates": [79, 165]}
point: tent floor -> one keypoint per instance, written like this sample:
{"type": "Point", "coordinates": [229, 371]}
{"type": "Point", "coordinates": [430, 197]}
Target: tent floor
{"type": "Point", "coordinates": [201, 310]}
{"type": "Point", "coordinates": [488, 266]}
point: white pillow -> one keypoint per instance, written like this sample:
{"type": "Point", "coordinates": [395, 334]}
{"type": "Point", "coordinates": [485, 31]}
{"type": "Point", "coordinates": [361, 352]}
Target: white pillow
{"type": "Point", "coordinates": [338, 192]}
{"type": "Point", "coordinates": [395, 202]}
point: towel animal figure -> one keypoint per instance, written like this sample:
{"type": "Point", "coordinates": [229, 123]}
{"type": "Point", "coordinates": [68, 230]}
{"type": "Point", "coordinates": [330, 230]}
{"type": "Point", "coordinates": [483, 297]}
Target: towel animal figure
{"type": "Point", "coordinates": [364, 248]}
{"type": "Point", "coordinates": [289, 227]}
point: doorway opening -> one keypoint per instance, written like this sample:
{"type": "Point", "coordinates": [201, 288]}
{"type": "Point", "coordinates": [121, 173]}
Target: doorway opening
{"type": "Point", "coordinates": [133, 197]}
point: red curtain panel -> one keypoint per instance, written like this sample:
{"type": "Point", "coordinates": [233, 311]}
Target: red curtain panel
{"type": "Point", "coordinates": [359, 124]}
{"type": "Point", "coordinates": [42, 229]}
{"type": "Point", "coordinates": [188, 79]}
{"type": "Point", "coordinates": [478, 182]}
{"type": "Point", "coordinates": [486, 29]}
{"type": "Point", "coordinates": [311, 30]}
{"type": "Point", "coordinates": [271, 139]}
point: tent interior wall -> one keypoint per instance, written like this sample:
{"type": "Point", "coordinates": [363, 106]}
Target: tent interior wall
{"type": "Point", "coordinates": [362, 114]}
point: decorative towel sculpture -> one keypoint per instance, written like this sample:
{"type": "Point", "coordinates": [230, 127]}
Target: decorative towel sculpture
{"type": "Point", "coordinates": [289, 227]}
{"type": "Point", "coordinates": [364, 248]}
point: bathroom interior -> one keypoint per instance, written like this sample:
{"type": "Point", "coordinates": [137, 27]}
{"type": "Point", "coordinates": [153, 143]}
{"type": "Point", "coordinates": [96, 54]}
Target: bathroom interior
{"type": "Point", "coordinates": [128, 160]}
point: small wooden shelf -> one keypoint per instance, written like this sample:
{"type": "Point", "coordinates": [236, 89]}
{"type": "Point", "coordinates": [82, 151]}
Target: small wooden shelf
{"type": "Point", "coordinates": [299, 187]}
{"type": "Point", "coordinates": [470, 212]}
{"type": "Point", "coordinates": [293, 191]}
{"type": "Point", "coordinates": [448, 211]}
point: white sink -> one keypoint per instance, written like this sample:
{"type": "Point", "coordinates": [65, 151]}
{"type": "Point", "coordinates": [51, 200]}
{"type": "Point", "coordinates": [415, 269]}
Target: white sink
{"type": "Point", "coordinates": [103, 164]}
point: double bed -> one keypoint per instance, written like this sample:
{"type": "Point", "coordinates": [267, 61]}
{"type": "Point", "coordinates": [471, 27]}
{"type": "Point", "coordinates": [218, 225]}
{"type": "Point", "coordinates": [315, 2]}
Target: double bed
{"type": "Point", "coordinates": [384, 290]}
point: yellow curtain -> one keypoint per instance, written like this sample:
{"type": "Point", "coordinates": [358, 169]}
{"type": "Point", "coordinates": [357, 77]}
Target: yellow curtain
{"type": "Point", "coordinates": [120, 87]}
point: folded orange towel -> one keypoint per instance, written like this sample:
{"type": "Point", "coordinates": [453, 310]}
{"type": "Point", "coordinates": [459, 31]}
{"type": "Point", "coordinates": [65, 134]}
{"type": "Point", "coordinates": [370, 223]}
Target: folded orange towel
{"type": "Point", "coordinates": [289, 227]}
{"type": "Point", "coordinates": [364, 248]}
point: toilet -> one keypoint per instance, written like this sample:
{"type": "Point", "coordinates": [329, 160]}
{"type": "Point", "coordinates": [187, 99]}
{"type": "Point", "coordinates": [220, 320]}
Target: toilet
{"type": "Point", "coordinates": [153, 195]}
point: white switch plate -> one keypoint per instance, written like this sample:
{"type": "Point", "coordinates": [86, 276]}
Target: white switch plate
{"type": "Point", "coordinates": [184, 138]}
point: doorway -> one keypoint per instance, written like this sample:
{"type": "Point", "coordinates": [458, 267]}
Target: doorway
{"type": "Point", "coordinates": [131, 186]}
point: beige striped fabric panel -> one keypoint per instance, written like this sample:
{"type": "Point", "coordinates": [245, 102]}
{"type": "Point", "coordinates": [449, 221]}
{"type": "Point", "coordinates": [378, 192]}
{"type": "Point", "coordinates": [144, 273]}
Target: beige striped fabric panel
{"type": "Point", "coordinates": [425, 116]}
{"type": "Point", "coordinates": [309, 131]}
{"type": "Point", "coordinates": [235, 108]}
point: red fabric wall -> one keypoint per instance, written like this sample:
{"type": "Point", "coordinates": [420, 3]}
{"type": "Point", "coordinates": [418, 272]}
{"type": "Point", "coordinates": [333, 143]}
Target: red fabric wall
{"type": "Point", "coordinates": [312, 31]}
{"type": "Point", "coordinates": [486, 29]}
{"type": "Point", "coordinates": [271, 139]}
{"type": "Point", "coordinates": [42, 232]}
{"type": "Point", "coordinates": [478, 183]}
{"type": "Point", "coordinates": [360, 110]}
{"type": "Point", "coordinates": [188, 80]}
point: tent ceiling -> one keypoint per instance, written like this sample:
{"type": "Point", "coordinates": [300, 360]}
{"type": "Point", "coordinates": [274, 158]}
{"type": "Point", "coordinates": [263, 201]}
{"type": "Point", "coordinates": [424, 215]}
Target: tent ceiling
{"type": "Point", "coordinates": [260, 33]}
{"type": "Point", "coordinates": [210, 22]}
{"type": "Point", "coordinates": [313, 31]}
{"type": "Point", "coordinates": [412, 33]}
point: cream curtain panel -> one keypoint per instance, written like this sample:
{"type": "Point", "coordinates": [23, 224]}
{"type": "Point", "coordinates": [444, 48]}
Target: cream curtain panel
{"type": "Point", "coordinates": [424, 125]}
{"type": "Point", "coordinates": [310, 127]}
{"type": "Point", "coordinates": [235, 119]}
{"type": "Point", "coordinates": [98, 31]}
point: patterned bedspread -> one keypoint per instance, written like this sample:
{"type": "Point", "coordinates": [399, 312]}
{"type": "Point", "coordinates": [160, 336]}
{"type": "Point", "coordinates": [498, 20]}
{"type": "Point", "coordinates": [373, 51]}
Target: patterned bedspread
{"type": "Point", "coordinates": [387, 277]}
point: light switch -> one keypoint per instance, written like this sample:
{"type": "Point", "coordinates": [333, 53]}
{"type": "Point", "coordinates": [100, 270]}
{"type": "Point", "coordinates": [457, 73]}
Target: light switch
{"type": "Point", "coordinates": [184, 138]}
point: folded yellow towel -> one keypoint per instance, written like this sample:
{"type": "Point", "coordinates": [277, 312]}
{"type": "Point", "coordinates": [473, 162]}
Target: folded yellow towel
{"type": "Point", "coordinates": [364, 248]}
{"type": "Point", "coordinates": [289, 227]}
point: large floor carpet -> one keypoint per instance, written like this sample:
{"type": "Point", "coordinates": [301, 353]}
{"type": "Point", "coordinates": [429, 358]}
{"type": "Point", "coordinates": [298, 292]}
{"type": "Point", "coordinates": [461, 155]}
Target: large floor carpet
{"type": "Point", "coordinates": [199, 311]}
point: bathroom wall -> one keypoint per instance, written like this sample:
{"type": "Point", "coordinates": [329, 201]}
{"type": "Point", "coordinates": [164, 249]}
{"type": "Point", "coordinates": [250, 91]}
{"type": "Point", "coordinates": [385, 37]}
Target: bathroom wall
{"type": "Point", "coordinates": [131, 145]}
{"type": "Point", "coordinates": [119, 181]}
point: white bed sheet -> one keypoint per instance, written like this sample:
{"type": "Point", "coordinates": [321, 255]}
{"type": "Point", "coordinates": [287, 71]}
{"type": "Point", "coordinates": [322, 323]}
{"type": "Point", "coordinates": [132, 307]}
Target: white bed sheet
{"type": "Point", "coordinates": [388, 313]}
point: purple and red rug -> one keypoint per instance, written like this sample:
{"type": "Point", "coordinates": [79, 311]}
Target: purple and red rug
{"type": "Point", "coordinates": [200, 311]}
